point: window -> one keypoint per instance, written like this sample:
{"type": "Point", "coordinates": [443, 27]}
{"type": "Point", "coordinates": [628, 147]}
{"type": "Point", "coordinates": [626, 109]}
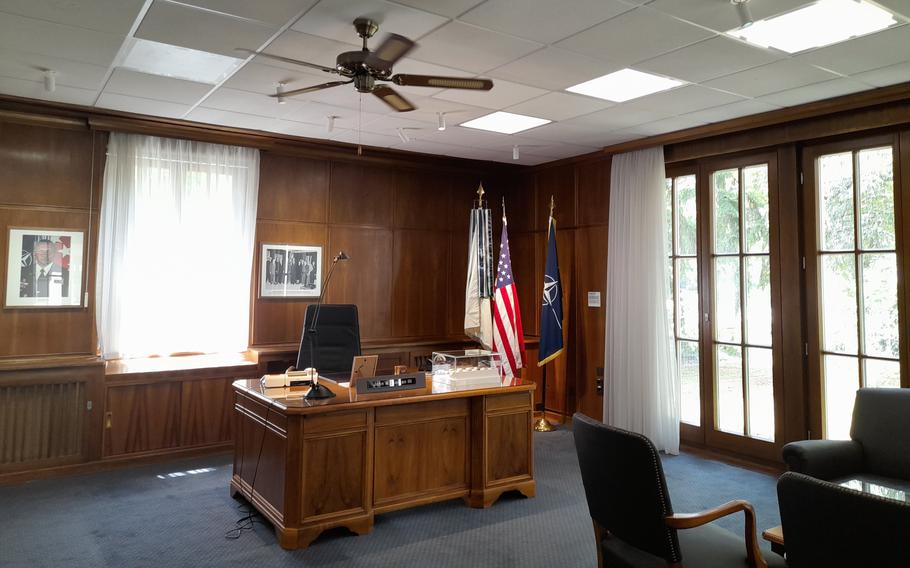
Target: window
{"type": "Point", "coordinates": [175, 246]}
{"type": "Point", "coordinates": [853, 276]}
{"type": "Point", "coordinates": [682, 241]}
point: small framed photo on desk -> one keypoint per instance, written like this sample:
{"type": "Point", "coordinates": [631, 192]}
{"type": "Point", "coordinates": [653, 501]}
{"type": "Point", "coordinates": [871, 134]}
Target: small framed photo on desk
{"type": "Point", "coordinates": [290, 271]}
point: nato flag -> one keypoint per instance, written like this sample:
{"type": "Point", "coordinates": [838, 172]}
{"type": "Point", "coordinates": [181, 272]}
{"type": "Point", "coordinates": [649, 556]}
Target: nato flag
{"type": "Point", "coordinates": [551, 308]}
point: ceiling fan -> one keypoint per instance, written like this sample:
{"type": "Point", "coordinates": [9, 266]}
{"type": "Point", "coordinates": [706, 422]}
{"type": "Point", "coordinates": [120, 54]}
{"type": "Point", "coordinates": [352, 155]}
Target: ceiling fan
{"type": "Point", "coordinates": [364, 68]}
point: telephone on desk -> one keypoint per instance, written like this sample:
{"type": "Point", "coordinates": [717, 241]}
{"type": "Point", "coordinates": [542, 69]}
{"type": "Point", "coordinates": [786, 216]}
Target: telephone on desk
{"type": "Point", "coordinates": [302, 378]}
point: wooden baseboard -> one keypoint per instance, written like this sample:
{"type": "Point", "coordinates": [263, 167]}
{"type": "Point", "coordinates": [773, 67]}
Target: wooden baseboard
{"type": "Point", "coordinates": [739, 460]}
{"type": "Point", "coordinates": [18, 477]}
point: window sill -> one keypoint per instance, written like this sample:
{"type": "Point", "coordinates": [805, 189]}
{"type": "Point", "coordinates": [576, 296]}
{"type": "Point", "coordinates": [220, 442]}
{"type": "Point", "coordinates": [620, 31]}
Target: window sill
{"type": "Point", "coordinates": [243, 362]}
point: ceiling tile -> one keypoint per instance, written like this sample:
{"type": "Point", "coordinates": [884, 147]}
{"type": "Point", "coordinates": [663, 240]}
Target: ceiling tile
{"type": "Point", "coordinates": [553, 68]}
{"type": "Point", "coordinates": [367, 138]}
{"type": "Point", "coordinates": [468, 47]}
{"type": "Point", "coordinates": [133, 83]}
{"type": "Point", "coordinates": [250, 103]}
{"type": "Point", "coordinates": [35, 90]}
{"type": "Point", "coordinates": [448, 8]}
{"type": "Point", "coordinates": [227, 118]}
{"type": "Point", "coordinates": [305, 47]}
{"type": "Point", "coordinates": [682, 100]}
{"type": "Point", "coordinates": [900, 7]}
{"type": "Point", "coordinates": [316, 113]}
{"type": "Point", "coordinates": [575, 133]}
{"type": "Point", "coordinates": [635, 36]}
{"type": "Point", "coordinates": [176, 24]}
{"type": "Point", "coordinates": [56, 40]}
{"type": "Point", "coordinates": [868, 52]}
{"type": "Point", "coordinates": [348, 97]}
{"type": "Point", "coordinates": [141, 105]}
{"type": "Point", "coordinates": [456, 113]}
{"type": "Point", "coordinates": [334, 19]}
{"type": "Point", "coordinates": [735, 110]}
{"type": "Point", "coordinates": [503, 94]}
{"type": "Point", "coordinates": [721, 16]}
{"type": "Point", "coordinates": [414, 67]}
{"type": "Point", "coordinates": [543, 20]}
{"type": "Point", "coordinates": [618, 117]}
{"type": "Point", "coordinates": [816, 92]}
{"type": "Point", "coordinates": [31, 67]}
{"type": "Point", "coordinates": [429, 146]}
{"type": "Point", "coordinates": [275, 12]}
{"type": "Point", "coordinates": [559, 106]}
{"type": "Point", "coordinates": [664, 126]}
{"type": "Point", "coordinates": [891, 75]}
{"type": "Point", "coordinates": [708, 59]}
{"type": "Point", "coordinates": [114, 16]}
{"type": "Point", "coordinates": [260, 76]}
{"type": "Point", "coordinates": [303, 129]}
{"type": "Point", "coordinates": [389, 123]}
{"type": "Point", "coordinates": [771, 78]}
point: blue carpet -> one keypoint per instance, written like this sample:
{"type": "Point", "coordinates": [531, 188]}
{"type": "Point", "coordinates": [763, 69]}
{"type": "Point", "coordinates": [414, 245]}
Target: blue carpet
{"type": "Point", "coordinates": [133, 517]}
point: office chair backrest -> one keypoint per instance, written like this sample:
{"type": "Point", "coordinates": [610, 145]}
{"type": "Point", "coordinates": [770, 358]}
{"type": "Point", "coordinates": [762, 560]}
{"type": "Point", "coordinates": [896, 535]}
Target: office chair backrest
{"type": "Point", "coordinates": [829, 525]}
{"type": "Point", "coordinates": [881, 423]}
{"type": "Point", "coordinates": [625, 486]}
{"type": "Point", "coordinates": [337, 341]}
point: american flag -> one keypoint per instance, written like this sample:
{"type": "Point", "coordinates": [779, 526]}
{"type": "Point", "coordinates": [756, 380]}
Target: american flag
{"type": "Point", "coordinates": [508, 337]}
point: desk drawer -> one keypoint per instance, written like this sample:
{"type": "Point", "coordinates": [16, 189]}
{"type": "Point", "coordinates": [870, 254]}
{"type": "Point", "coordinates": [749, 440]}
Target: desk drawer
{"type": "Point", "coordinates": [334, 422]}
{"type": "Point", "coordinates": [517, 400]}
{"type": "Point", "coordinates": [406, 413]}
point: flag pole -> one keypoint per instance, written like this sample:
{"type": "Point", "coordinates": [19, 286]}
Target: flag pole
{"type": "Point", "coordinates": [542, 424]}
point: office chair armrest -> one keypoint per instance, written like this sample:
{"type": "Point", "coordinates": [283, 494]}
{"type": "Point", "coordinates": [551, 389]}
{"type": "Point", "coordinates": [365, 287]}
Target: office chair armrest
{"type": "Point", "coordinates": [691, 520]}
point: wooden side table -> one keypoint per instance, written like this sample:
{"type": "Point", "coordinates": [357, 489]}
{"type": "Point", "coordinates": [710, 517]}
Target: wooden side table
{"type": "Point", "coordinates": [775, 536]}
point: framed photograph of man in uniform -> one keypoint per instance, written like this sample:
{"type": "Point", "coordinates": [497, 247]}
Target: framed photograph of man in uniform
{"type": "Point", "coordinates": [44, 268]}
{"type": "Point", "coordinates": [290, 271]}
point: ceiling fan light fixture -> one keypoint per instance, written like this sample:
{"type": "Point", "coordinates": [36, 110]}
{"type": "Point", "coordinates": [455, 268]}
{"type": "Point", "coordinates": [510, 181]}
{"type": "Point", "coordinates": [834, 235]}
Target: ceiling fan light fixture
{"type": "Point", "coordinates": [404, 137]}
{"type": "Point", "coordinates": [440, 121]}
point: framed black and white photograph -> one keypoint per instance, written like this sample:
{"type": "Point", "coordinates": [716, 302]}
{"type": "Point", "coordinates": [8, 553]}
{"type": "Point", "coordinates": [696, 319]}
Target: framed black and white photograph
{"type": "Point", "coordinates": [44, 268]}
{"type": "Point", "coordinates": [290, 271]}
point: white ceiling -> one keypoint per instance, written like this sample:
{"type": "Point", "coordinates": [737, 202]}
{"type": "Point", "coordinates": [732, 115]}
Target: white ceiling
{"type": "Point", "coordinates": [533, 49]}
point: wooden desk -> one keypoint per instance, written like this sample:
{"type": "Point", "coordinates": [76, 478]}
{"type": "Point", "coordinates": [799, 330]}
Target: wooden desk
{"type": "Point", "coordinates": [310, 465]}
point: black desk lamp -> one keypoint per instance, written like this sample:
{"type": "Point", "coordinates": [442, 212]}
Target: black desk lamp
{"type": "Point", "coordinates": [317, 390]}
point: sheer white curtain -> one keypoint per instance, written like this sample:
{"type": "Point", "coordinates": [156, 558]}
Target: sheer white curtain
{"type": "Point", "coordinates": [178, 222]}
{"type": "Point", "coordinates": [642, 387]}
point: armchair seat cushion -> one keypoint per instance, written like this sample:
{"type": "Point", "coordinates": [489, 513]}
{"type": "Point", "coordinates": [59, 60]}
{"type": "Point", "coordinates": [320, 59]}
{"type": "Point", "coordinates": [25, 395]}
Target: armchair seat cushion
{"type": "Point", "coordinates": [708, 546]}
{"type": "Point", "coordinates": [900, 485]}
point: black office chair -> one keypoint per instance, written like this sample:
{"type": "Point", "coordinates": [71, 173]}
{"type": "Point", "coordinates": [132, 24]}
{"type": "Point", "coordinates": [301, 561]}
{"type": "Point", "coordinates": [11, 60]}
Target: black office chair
{"type": "Point", "coordinates": [337, 341]}
{"type": "Point", "coordinates": [634, 523]}
{"type": "Point", "coordinates": [826, 524]}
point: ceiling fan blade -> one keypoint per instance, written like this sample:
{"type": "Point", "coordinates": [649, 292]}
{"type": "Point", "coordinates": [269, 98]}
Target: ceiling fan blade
{"type": "Point", "coordinates": [393, 48]}
{"type": "Point", "coordinates": [391, 97]}
{"type": "Point", "coordinates": [288, 60]}
{"type": "Point", "coordinates": [311, 89]}
{"type": "Point", "coordinates": [442, 82]}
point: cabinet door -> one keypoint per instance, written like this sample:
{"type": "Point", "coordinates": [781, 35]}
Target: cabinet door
{"type": "Point", "coordinates": [141, 418]}
{"type": "Point", "coordinates": [205, 412]}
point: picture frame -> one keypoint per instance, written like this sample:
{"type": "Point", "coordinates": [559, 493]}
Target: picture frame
{"type": "Point", "coordinates": [44, 268]}
{"type": "Point", "coordinates": [290, 271]}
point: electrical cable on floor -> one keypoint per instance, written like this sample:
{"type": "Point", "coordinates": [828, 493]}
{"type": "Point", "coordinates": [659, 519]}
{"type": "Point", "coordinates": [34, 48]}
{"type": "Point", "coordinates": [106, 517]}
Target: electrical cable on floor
{"type": "Point", "coordinates": [248, 521]}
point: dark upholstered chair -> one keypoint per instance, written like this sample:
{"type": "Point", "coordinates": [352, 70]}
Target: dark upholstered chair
{"type": "Point", "coordinates": [337, 342]}
{"type": "Point", "coordinates": [826, 524]}
{"type": "Point", "coordinates": [879, 448]}
{"type": "Point", "coordinates": [634, 523]}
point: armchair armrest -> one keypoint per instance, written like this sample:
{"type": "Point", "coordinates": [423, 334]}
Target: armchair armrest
{"type": "Point", "coordinates": [824, 459]}
{"type": "Point", "coordinates": [692, 520]}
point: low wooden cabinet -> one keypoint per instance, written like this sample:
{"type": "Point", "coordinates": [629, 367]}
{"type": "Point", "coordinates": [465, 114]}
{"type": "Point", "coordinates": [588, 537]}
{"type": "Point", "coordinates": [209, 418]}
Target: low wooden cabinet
{"type": "Point", "coordinates": [312, 465]}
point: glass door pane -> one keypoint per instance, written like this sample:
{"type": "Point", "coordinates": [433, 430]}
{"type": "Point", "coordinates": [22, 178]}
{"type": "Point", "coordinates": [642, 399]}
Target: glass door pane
{"type": "Point", "coordinates": [741, 310]}
{"type": "Point", "coordinates": [857, 280]}
{"type": "Point", "coordinates": [682, 245]}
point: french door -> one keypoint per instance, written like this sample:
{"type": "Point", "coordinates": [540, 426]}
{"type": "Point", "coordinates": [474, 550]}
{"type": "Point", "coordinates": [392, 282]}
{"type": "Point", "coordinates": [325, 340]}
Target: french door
{"type": "Point", "coordinates": [724, 258]}
{"type": "Point", "coordinates": [853, 253]}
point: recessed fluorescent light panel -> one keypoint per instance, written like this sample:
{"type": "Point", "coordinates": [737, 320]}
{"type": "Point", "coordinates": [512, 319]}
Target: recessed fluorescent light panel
{"type": "Point", "coordinates": [624, 85]}
{"type": "Point", "coordinates": [179, 62]}
{"type": "Point", "coordinates": [505, 122]}
{"type": "Point", "coordinates": [819, 24]}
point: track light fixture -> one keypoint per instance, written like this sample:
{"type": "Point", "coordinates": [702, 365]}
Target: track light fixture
{"type": "Point", "coordinates": [279, 91]}
{"type": "Point", "coordinates": [404, 137]}
{"type": "Point", "coordinates": [440, 121]}
{"type": "Point", "coordinates": [50, 80]}
{"type": "Point", "coordinates": [330, 122]}
{"type": "Point", "coordinates": [745, 15]}
{"type": "Point", "coordinates": [515, 155]}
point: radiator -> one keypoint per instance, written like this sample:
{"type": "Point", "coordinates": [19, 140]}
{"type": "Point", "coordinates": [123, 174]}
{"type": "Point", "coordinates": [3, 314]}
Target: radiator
{"type": "Point", "coordinates": [41, 422]}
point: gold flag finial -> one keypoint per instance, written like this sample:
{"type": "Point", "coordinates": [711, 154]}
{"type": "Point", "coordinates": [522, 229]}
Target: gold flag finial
{"type": "Point", "coordinates": [552, 205]}
{"type": "Point", "coordinates": [503, 208]}
{"type": "Point", "coordinates": [480, 191]}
